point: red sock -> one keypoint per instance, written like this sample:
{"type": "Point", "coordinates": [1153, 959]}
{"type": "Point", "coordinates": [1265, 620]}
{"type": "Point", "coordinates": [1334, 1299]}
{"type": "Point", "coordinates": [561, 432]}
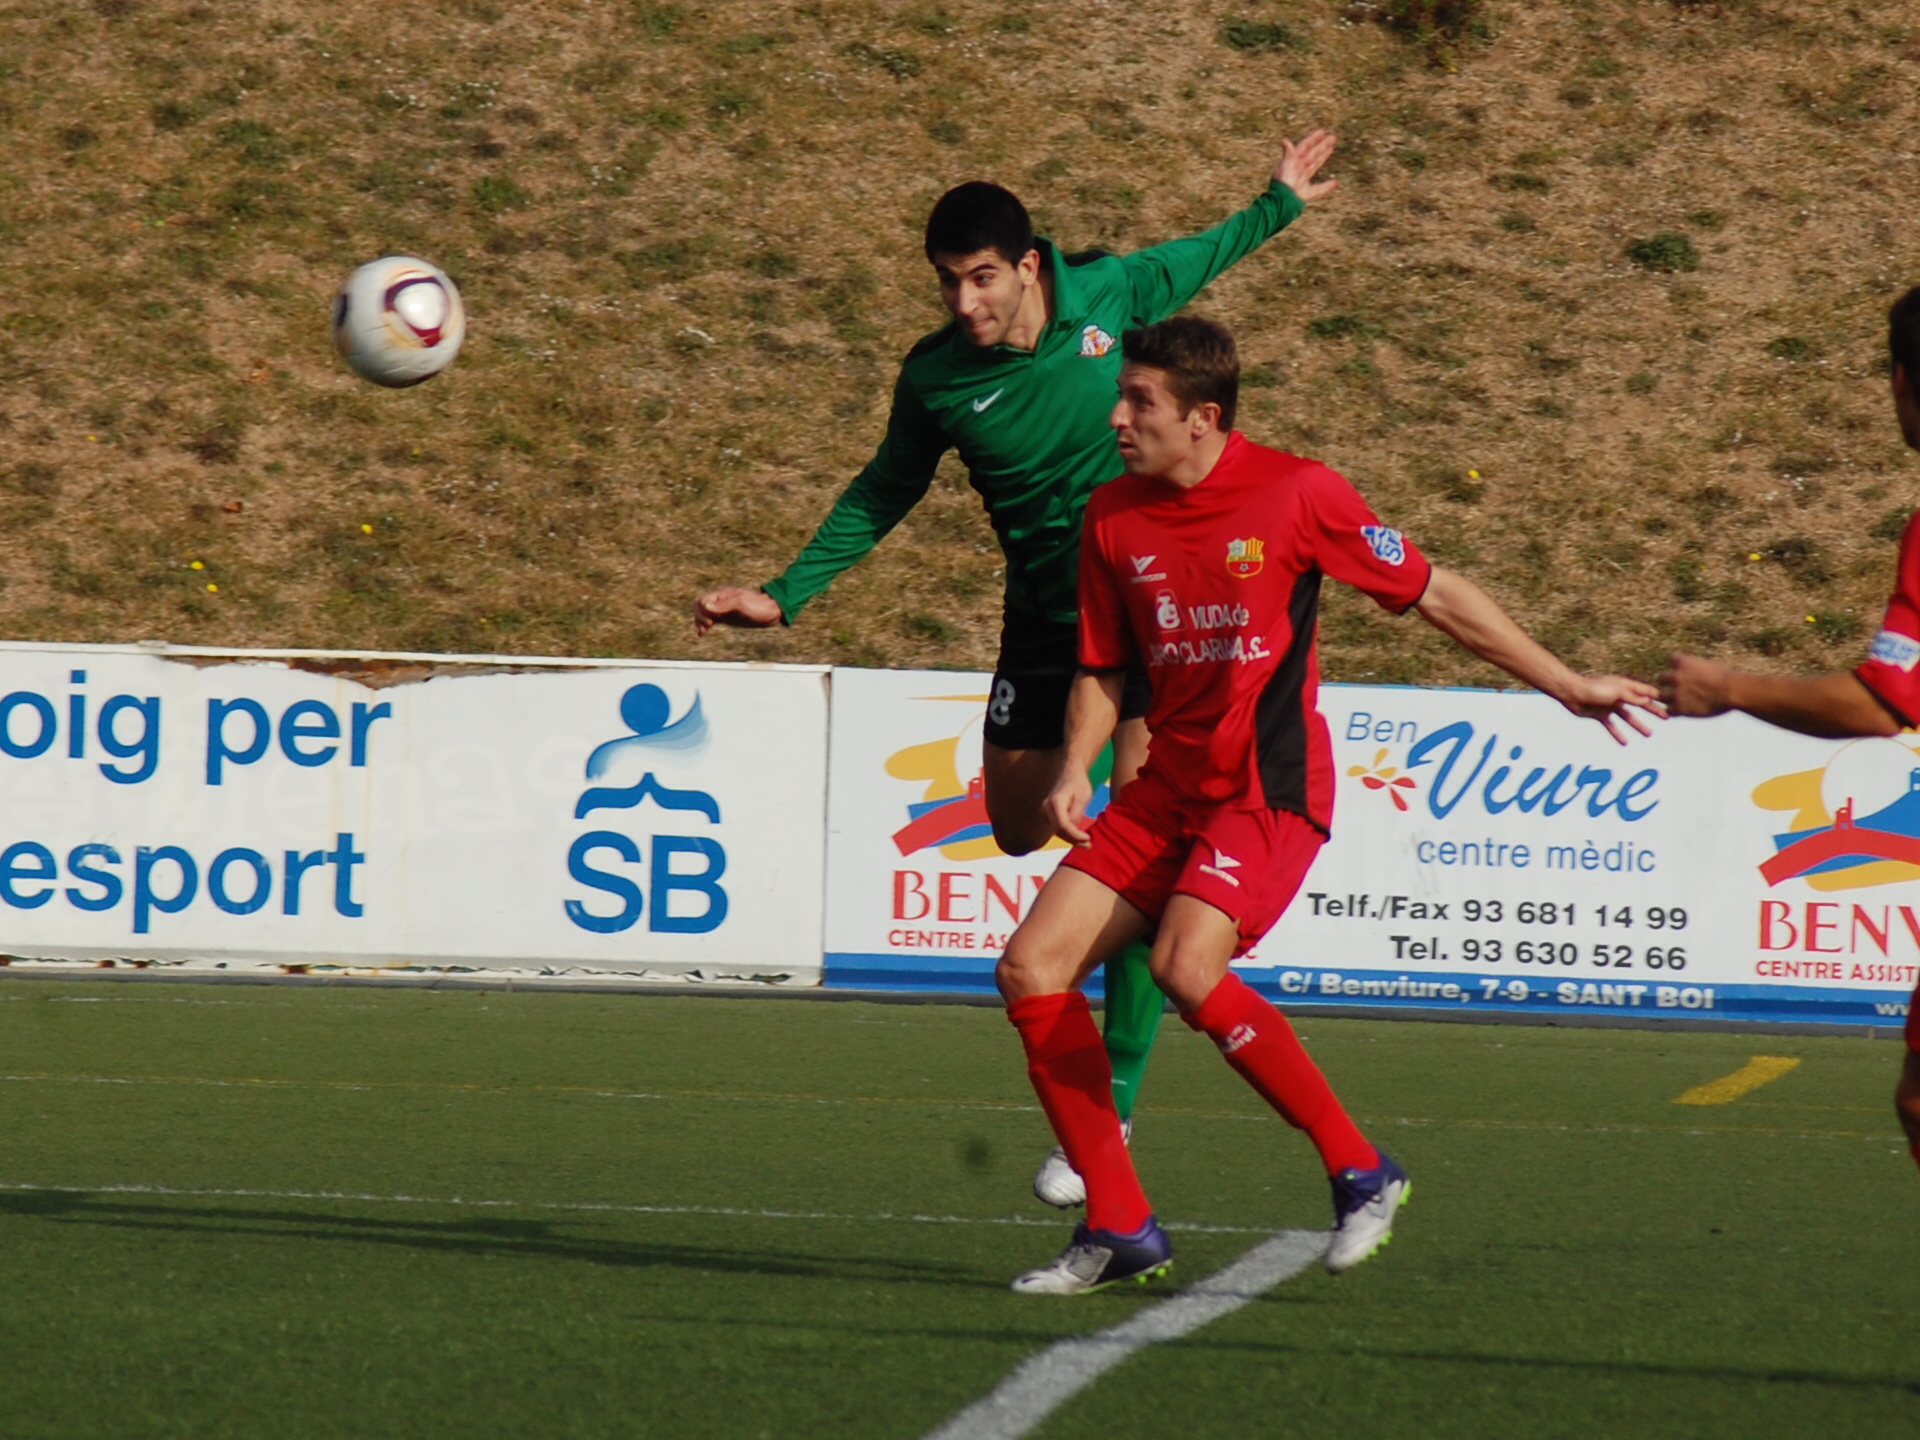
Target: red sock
{"type": "Point", "coordinates": [1914, 1150]}
{"type": "Point", "coordinates": [1261, 1045]}
{"type": "Point", "coordinates": [1074, 1080]}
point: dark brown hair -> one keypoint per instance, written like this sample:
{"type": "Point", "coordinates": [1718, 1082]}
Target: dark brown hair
{"type": "Point", "coordinates": [1903, 334]}
{"type": "Point", "coordinates": [1197, 357]}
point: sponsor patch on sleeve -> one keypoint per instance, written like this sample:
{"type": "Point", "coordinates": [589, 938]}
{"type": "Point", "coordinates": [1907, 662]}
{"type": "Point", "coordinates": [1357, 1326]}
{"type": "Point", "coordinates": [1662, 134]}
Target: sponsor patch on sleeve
{"type": "Point", "coordinates": [1890, 647]}
{"type": "Point", "coordinates": [1386, 544]}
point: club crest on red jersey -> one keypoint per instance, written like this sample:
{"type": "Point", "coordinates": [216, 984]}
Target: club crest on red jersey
{"type": "Point", "coordinates": [1245, 557]}
{"type": "Point", "coordinates": [1095, 342]}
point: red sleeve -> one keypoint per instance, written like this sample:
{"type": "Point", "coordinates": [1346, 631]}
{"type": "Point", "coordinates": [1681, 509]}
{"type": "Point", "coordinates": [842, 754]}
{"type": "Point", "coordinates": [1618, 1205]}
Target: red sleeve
{"type": "Point", "coordinates": [1350, 544]}
{"type": "Point", "coordinates": [1889, 670]}
{"type": "Point", "coordinates": [1106, 642]}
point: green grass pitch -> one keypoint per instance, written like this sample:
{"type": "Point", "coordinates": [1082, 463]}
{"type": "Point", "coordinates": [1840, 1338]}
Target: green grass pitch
{"type": "Point", "coordinates": [245, 1225]}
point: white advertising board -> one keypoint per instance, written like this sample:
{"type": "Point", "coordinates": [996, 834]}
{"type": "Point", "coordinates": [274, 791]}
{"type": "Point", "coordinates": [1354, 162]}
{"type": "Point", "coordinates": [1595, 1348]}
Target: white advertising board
{"type": "Point", "coordinates": [603, 817]}
{"type": "Point", "coordinates": [919, 896]}
{"type": "Point", "coordinates": [1490, 853]}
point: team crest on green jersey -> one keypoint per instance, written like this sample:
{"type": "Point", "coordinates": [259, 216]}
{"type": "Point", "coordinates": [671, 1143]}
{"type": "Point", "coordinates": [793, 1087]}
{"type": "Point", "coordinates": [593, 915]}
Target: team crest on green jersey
{"type": "Point", "coordinates": [1095, 342]}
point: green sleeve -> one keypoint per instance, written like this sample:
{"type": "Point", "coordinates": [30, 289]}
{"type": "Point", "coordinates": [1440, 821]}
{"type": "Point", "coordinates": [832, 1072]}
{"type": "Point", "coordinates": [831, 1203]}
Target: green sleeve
{"type": "Point", "coordinates": [1167, 276]}
{"type": "Point", "coordinates": [879, 497]}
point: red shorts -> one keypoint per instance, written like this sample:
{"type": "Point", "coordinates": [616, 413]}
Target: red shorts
{"type": "Point", "coordinates": [1150, 845]}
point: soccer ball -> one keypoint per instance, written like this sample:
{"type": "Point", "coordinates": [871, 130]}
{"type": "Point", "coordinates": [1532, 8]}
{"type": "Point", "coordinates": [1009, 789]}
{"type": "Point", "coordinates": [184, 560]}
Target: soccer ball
{"type": "Point", "coordinates": [398, 321]}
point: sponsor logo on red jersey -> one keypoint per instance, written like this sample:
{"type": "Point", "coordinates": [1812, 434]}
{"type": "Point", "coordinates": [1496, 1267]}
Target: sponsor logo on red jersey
{"type": "Point", "coordinates": [1218, 617]}
{"type": "Point", "coordinates": [1222, 863]}
{"type": "Point", "coordinates": [1245, 557]}
{"type": "Point", "coordinates": [1244, 648]}
{"type": "Point", "coordinates": [1385, 542]}
{"type": "Point", "coordinates": [1890, 647]}
{"type": "Point", "coordinates": [1166, 610]}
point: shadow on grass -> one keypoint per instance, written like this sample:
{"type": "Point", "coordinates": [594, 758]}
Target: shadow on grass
{"type": "Point", "coordinates": [491, 1236]}
{"type": "Point", "coordinates": [1547, 1364]}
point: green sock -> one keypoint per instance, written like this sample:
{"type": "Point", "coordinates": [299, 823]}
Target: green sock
{"type": "Point", "coordinates": [1134, 1007]}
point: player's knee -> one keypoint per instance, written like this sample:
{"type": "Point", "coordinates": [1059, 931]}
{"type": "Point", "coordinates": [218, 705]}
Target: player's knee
{"type": "Point", "coordinates": [1026, 968]}
{"type": "Point", "coordinates": [1182, 973]}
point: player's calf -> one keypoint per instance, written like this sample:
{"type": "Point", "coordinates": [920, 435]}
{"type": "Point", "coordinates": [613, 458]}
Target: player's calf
{"type": "Point", "coordinates": [1016, 783]}
{"type": "Point", "coordinates": [1258, 1042]}
{"type": "Point", "coordinates": [1058, 1184]}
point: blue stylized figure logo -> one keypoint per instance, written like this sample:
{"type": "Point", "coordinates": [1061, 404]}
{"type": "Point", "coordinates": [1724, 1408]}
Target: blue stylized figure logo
{"type": "Point", "coordinates": [645, 709]}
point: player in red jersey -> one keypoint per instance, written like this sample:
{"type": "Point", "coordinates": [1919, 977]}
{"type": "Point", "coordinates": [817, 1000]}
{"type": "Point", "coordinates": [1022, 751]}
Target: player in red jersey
{"type": "Point", "coordinates": [1205, 561]}
{"type": "Point", "coordinates": [1881, 696]}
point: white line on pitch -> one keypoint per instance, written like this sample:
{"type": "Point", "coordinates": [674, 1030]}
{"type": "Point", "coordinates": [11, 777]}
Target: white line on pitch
{"type": "Point", "coordinates": [1048, 1380]}
{"type": "Point", "coordinates": [964, 1106]}
{"type": "Point", "coordinates": [583, 1206]}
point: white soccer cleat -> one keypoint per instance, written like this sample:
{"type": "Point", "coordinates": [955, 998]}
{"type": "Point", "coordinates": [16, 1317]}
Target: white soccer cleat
{"type": "Point", "coordinates": [1364, 1202]}
{"type": "Point", "coordinates": [1096, 1259]}
{"type": "Point", "coordinates": [1059, 1184]}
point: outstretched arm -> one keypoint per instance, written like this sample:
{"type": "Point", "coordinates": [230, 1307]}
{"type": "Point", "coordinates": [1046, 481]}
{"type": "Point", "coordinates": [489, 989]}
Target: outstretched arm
{"type": "Point", "coordinates": [1829, 706]}
{"type": "Point", "coordinates": [1457, 607]}
{"type": "Point", "coordinates": [892, 483]}
{"type": "Point", "coordinates": [1093, 710]}
{"type": "Point", "coordinates": [1165, 277]}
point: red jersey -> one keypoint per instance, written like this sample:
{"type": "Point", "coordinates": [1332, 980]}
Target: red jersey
{"type": "Point", "coordinates": [1889, 670]}
{"type": "Point", "coordinates": [1217, 589]}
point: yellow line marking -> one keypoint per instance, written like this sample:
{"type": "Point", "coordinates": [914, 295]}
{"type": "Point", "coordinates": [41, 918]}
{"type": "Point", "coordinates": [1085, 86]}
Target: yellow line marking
{"type": "Point", "coordinates": [1760, 1070]}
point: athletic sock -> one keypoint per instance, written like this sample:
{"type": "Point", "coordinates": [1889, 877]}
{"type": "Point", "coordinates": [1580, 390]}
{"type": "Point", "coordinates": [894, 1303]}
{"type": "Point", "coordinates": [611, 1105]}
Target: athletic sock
{"type": "Point", "coordinates": [1914, 1150]}
{"type": "Point", "coordinates": [1261, 1045]}
{"type": "Point", "coordinates": [1070, 1074]}
{"type": "Point", "coordinates": [1132, 1020]}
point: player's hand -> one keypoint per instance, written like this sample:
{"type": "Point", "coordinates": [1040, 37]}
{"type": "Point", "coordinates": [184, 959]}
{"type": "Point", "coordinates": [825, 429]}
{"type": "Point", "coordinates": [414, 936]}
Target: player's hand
{"type": "Point", "coordinates": [1066, 806]}
{"type": "Point", "coordinates": [1300, 161]}
{"type": "Point", "coordinates": [1612, 699]}
{"type": "Point", "coordinates": [735, 605]}
{"type": "Point", "coordinates": [1693, 686]}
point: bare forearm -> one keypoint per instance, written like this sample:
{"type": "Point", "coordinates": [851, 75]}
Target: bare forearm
{"type": "Point", "coordinates": [1829, 706]}
{"type": "Point", "coordinates": [1093, 710]}
{"type": "Point", "coordinates": [1460, 609]}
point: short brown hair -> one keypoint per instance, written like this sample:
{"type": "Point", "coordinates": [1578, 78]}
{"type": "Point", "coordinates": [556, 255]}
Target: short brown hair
{"type": "Point", "coordinates": [1198, 358]}
{"type": "Point", "coordinates": [1903, 333]}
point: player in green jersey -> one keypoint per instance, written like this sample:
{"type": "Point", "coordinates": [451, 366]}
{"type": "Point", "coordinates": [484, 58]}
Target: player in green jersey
{"type": "Point", "coordinates": [1020, 383]}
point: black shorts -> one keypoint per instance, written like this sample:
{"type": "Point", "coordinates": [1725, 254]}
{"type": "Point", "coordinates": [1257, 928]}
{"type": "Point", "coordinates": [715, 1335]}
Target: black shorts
{"type": "Point", "coordinates": [1038, 660]}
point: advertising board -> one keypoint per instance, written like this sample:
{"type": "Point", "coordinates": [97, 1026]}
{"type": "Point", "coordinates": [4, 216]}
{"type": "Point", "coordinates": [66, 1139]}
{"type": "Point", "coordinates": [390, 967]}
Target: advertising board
{"type": "Point", "coordinates": [919, 896]}
{"type": "Point", "coordinates": [1491, 853]}
{"type": "Point", "coordinates": [602, 817]}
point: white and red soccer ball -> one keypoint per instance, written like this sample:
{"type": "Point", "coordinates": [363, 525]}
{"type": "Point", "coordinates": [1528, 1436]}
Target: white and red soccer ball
{"type": "Point", "coordinates": [398, 321]}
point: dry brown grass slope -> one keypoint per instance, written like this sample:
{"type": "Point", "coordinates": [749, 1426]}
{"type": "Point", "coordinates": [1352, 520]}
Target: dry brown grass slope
{"type": "Point", "coordinates": [688, 236]}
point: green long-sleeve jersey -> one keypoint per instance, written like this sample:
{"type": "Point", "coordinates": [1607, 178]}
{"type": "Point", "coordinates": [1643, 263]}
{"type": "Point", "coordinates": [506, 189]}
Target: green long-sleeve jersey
{"type": "Point", "coordinates": [1030, 425]}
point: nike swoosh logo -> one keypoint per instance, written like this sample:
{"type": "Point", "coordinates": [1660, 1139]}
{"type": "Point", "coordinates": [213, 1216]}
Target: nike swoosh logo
{"type": "Point", "coordinates": [981, 405]}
